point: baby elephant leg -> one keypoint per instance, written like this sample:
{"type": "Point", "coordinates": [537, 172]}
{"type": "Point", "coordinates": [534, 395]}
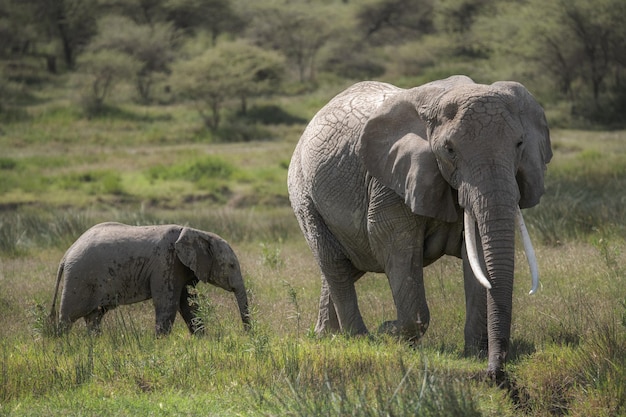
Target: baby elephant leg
{"type": "Point", "coordinates": [94, 319]}
{"type": "Point", "coordinates": [165, 316]}
{"type": "Point", "coordinates": [165, 308]}
{"type": "Point", "coordinates": [189, 310]}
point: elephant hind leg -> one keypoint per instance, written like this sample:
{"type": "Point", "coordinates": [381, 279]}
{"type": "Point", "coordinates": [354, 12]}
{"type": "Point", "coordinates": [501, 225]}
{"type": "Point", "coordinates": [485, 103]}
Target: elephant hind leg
{"type": "Point", "coordinates": [338, 307]}
{"type": "Point", "coordinates": [327, 321]}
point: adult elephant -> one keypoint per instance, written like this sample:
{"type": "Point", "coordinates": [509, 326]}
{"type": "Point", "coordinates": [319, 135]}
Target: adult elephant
{"type": "Point", "coordinates": [113, 264]}
{"type": "Point", "coordinates": [387, 180]}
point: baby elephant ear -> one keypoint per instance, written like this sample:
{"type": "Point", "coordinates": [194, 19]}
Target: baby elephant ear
{"type": "Point", "coordinates": [193, 250]}
{"type": "Point", "coordinates": [396, 151]}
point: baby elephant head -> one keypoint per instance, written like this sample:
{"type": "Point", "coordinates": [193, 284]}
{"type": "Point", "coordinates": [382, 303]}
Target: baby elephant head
{"type": "Point", "coordinates": [212, 260]}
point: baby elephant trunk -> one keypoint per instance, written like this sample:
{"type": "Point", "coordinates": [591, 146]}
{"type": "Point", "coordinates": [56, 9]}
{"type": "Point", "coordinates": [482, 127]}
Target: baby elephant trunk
{"type": "Point", "coordinates": [242, 302]}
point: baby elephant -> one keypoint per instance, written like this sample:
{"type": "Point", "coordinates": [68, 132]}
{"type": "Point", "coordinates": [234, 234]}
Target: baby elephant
{"type": "Point", "coordinates": [113, 264]}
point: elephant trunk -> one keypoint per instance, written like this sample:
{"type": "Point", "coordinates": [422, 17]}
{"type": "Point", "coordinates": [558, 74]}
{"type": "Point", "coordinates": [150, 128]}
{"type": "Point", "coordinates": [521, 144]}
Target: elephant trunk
{"type": "Point", "coordinates": [498, 243]}
{"type": "Point", "coordinates": [242, 302]}
{"type": "Point", "coordinates": [495, 213]}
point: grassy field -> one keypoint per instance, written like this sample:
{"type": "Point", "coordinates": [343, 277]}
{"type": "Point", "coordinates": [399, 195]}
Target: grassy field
{"type": "Point", "coordinates": [60, 173]}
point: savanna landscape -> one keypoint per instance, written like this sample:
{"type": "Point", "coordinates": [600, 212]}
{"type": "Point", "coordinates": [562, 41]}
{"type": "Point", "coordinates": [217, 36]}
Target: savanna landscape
{"type": "Point", "coordinates": [196, 140]}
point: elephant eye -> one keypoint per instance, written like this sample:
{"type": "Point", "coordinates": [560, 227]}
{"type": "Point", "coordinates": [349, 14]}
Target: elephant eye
{"type": "Point", "coordinates": [519, 144]}
{"type": "Point", "coordinates": [449, 150]}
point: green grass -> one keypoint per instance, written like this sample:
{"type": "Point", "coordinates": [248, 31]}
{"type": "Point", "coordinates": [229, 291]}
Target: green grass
{"type": "Point", "coordinates": [60, 173]}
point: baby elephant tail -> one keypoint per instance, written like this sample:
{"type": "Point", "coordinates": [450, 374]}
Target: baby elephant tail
{"type": "Point", "coordinates": [53, 313]}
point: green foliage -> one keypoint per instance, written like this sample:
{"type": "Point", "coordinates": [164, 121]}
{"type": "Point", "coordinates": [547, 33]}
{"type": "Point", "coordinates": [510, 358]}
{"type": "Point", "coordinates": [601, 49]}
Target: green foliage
{"type": "Point", "coordinates": [567, 52]}
{"type": "Point", "coordinates": [194, 171]}
{"type": "Point", "coordinates": [151, 45]}
{"type": "Point", "coordinates": [21, 232]}
{"type": "Point", "coordinates": [60, 173]}
{"type": "Point", "coordinates": [297, 32]}
{"type": "Point", "coordinates": [100, 72]}
{"type": "Point", "coordinates": [93, 182]}
{"type": "Point", "coordinates": [231, 71]}
{"type": "Point", "coordinates": [393, 21]}
{"type": "Point", "coordinates": [270, 256]}
{"type": "Point", "coordinates": [399, 391]}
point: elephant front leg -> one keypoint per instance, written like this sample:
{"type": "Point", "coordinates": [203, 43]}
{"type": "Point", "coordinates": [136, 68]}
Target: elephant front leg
{"type": "Point", "coordinates": [476, 336]}
{"type": "Point", "coordinates": [189, 310]}
{"type": "Point", "coordinates": [409, 294]}
{"type": "Point", "coordinates": [165, 317]}
{"type": "Point", "coordinates": [166, 305]}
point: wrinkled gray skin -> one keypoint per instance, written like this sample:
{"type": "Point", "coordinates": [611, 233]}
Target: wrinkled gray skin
{"type": "Point", "coordinates": [379, 182]}
{"type": "Point", "coordinates": [113, 264]}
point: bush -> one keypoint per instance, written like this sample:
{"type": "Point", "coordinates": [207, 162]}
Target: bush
{"type": "Point", "coordinates": [99, 73]}
{"type": "Point", "coordinates": [194, 171]}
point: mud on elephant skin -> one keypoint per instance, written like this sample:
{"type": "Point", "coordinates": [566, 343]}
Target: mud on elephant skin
{"type": "Point", "coordinates": [388, 180]}
{"type": "Point", "coordinates": [113, 264]}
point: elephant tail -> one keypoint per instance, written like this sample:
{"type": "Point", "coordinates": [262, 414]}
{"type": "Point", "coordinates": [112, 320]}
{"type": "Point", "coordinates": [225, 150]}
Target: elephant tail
{"type": "Point", "coordinates": [53, 313]}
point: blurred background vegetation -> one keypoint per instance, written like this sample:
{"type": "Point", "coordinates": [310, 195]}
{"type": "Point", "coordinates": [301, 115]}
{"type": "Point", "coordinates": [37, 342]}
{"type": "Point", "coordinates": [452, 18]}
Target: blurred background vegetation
{"type": "Point", "coordinates": [187, 111]}
{"type": "Point", "coordinates": [219, 54]}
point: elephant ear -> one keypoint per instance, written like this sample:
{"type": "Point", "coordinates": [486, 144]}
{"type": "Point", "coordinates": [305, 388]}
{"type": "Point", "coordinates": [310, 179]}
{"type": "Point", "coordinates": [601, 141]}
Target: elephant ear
{"type": "Point", "coordinates": [193, 249]}
{"type": "Point", "coordinates": [396, 151]}
{"type": "Point", "coordinates": [537, 149]}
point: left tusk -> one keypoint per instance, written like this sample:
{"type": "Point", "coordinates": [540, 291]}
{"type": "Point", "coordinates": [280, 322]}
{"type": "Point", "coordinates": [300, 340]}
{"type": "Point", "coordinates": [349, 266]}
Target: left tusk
{"type": "Point", "coordinates": [530, 252]}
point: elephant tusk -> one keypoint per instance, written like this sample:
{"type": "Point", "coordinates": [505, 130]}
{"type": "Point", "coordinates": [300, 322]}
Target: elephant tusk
{"type": "Point", "coordinates": [472, 253]}
{"type": "Point", "coordinates": [530, 252]}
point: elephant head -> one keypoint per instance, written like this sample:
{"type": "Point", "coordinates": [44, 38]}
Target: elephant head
{"type": "Point", "coordinates": [212, 260]}
{"type": "Point", "coordinates": [484, 148]}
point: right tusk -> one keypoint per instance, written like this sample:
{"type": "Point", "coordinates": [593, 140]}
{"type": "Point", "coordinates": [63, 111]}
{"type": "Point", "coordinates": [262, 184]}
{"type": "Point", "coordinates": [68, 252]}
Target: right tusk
{"type": "Point", "coordinates": [530, 252]}
{"type": "Point", "coordinates": [472, 253]}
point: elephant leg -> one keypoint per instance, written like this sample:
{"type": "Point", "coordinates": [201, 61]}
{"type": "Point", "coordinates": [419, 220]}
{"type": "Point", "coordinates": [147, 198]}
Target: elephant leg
{"type": "Point", "coordinates": [166, 295]}
{"type": "Point", "coordinates": [338, 302]}
{"type": "Point", "coordinates": [94, 319]}
{"type": "Point", "coordinates": [398, 237]}
{"type": "Point", "coordinates": [189, 310]}
{"type": "Point", "coordinates": [476, 336]}
{"type": "Point", "coordinates": [340, 278]}
{"type": "Point", "coordinates": [407, 286]}
{"type": "Point", "coordinates": [327, 321]}
{"type": "Point", "coordinates": [165, 316]}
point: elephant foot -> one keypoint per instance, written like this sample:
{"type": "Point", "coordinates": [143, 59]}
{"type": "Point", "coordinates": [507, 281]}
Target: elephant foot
{"type": "Point", "coordinates": [498, 377]}
{"type": "Point", "coordinates": [475, 350]}
{"type": "Point", "coordinates": [389, 327]}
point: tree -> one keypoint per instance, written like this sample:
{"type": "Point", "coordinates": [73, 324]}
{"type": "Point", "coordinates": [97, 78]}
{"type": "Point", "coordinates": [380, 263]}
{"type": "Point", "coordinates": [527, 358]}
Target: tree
{"type": "Point", "coordinates": [577, 44]}
{"type": "Point", "coordinates": [231, 70]}
{"type": "Point", "coordinates": [102, 70]}
{"type": "Point", "coordinates": [216, 16]}
{"type": "Point", "coordinates": [456, 18]}
{"type": "Point", "coordinates": [152, 45]}
{"type": "Point", "coordinates": [395, 21]}
{"type": "Point", "coordinates": [577, 40]}
{"type": "Point", "coordinates": [70, 22]}
{"type": "Point", "coordinates": [140, 11]}
{"type": "Point", "coordinates": [15, 32]}
{"type": "Point", "coordinates": [295, 31]}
